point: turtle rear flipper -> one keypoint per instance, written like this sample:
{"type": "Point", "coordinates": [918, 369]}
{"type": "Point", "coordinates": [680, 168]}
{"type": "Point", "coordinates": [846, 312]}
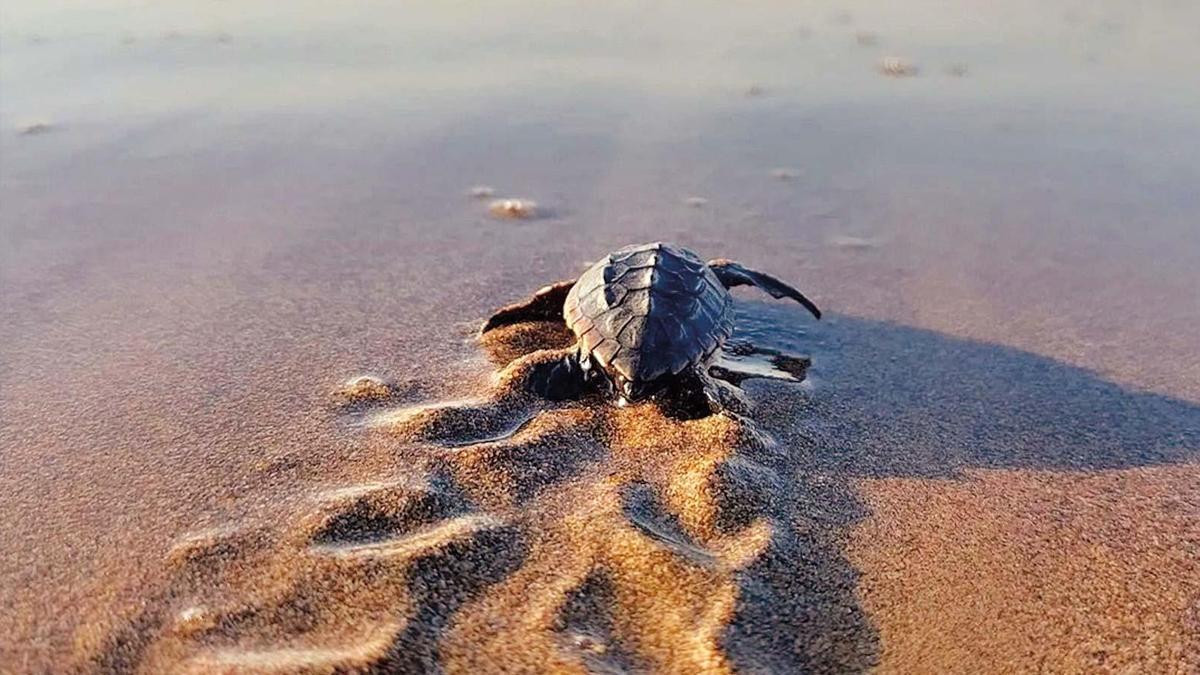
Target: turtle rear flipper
{"type": "Point", "coordinates": [545, 305]}
{"type": "Point", "coordinates": [733, 274]}
{"type": "Point", "coordinates": [740, 361]}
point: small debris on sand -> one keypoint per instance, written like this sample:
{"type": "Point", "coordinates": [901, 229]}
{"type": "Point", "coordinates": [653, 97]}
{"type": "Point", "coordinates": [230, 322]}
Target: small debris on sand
{"type": "Point", "coordinates": [957, 70]}
{"type": "Point", "coordinates": [224, 38]}
{"type": "Point", "coordinates": [363, 389]}
{"type": "Point", "coordinates": [785, 173]}
{"type": "Point", "coordinates": [755, 90]}
{"type": "Point", "coordinates": [482, 191]}
{"type": "Point", "coordinates": [696, 202]}
{"type": "Point", "coordinates": [852, 242]}
{"type": "Point", "coordinates": [193, 620]}
{"type": "Point", "coordinates": [588, 644]}
{"type": "Point", "coordinates": [894, 66]}
{"type": "Point", "coordinates": [866, 38]}
{"type": "Point", "coordinates": [35, 127]}
{"type": "Point", "coordinates": [514, 209]}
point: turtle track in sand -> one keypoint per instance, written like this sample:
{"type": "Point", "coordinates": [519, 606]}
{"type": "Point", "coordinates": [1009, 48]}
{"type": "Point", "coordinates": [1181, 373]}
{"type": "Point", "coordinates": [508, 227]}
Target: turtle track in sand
{"type": "Point", "coordinates": [513, 535]}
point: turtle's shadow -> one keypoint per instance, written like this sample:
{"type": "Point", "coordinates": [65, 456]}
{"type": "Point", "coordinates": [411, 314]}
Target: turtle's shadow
{"type": "Point", "coordinates": [891, 400]}
{"type": "Point", "coordinates": [888, 400]}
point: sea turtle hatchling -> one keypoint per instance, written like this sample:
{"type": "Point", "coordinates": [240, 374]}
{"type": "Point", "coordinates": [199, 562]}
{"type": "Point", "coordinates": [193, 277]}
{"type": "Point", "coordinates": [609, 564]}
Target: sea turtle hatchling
{"type": "Point", "coordinates": [647, 318]}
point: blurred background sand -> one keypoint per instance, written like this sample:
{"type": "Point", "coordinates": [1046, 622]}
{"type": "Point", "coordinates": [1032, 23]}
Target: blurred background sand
{"type": "Point", "coordinates": [214, 212]}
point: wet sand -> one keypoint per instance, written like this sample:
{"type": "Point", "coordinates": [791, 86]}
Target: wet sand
{"type": "Point", "coordinates": [225, 213]}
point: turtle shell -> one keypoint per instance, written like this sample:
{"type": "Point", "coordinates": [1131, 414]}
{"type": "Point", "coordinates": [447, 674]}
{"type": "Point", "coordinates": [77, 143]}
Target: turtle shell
{"type": "Point", "coordinates": [649, 310]}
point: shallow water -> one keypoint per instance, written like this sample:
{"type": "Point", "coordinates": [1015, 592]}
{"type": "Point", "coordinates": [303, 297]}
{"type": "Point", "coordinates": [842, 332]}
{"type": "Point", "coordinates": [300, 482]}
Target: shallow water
{"type": "Point", "coordinates": [212, 214]}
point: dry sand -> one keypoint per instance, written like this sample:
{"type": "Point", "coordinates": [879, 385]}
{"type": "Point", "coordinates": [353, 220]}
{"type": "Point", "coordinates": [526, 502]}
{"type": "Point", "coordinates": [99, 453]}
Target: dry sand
{"type": "Point", "coordinates": [992, 467]}
{"type": "Point", "coordinates": [1023, 571]}
{"type": "Point", "coordinates": [507, 535]}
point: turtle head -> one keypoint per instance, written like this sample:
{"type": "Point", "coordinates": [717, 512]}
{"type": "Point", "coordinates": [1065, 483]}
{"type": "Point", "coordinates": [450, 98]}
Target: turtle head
{"type": "Point", "coordinates": [632, 391]}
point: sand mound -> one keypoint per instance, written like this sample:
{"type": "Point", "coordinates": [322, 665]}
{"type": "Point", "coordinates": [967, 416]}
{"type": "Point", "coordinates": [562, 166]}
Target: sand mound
{"type": "Point", "coordinates": [513, 535]}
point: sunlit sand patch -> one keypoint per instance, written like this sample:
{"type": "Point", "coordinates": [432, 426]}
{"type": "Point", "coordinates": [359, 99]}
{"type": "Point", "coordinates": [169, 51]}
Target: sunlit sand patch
{"type": "Point", "coordinates": [453, 422]}
{"type": "Point", "coordinates": [218, 543]}
{"type": "Point", "coordinates": [355, 656]}
{"type": "Point", "coordinates": [662, 523]}
{"type": "Point", "coordinates": [545, 450]}
{"type": "Point", "coordinates": [506, 344]}
{"type": "Point", "coordinates": [363, 389]}
{"type": "Point", "coordinates": [650, 566]}
{"type": "Point", "coordinates": [326, 599]}
{"type": "Point", "coordinates": [376, 511]}
{"type": "Point", "coordinates": [349, 493]}
{"type": "Point", "coordinates": [688, 455]}
{"type": "Point", "coordinates": [424, 539]}
{"type": "Point", "coordinates": [514, 209]}
{"type": "Point", "coordinates": [651, 620]}
{"type": "Point", "coordinates": [594, 536]}
{"type": "Point", "coordinates": [645, 613]}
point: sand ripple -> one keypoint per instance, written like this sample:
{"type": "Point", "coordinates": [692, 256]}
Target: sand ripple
{"type": "Point", "coordinates": [514, 535]}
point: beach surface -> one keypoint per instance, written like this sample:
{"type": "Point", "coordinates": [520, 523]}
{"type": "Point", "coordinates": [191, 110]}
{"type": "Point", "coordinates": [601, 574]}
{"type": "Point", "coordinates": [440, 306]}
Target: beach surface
{"type": "Point", "coordinates": [215, 215]}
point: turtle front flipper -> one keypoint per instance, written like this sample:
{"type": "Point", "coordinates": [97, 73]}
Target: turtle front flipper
{"type": "Point", "coordinates": [560, 379]}
{"type": "Point", "coordinates": [545, 305]}
{"type": "Point", "coordinates": [723, 397]}
{"type": "Point", "coordinates": [733, 274]}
